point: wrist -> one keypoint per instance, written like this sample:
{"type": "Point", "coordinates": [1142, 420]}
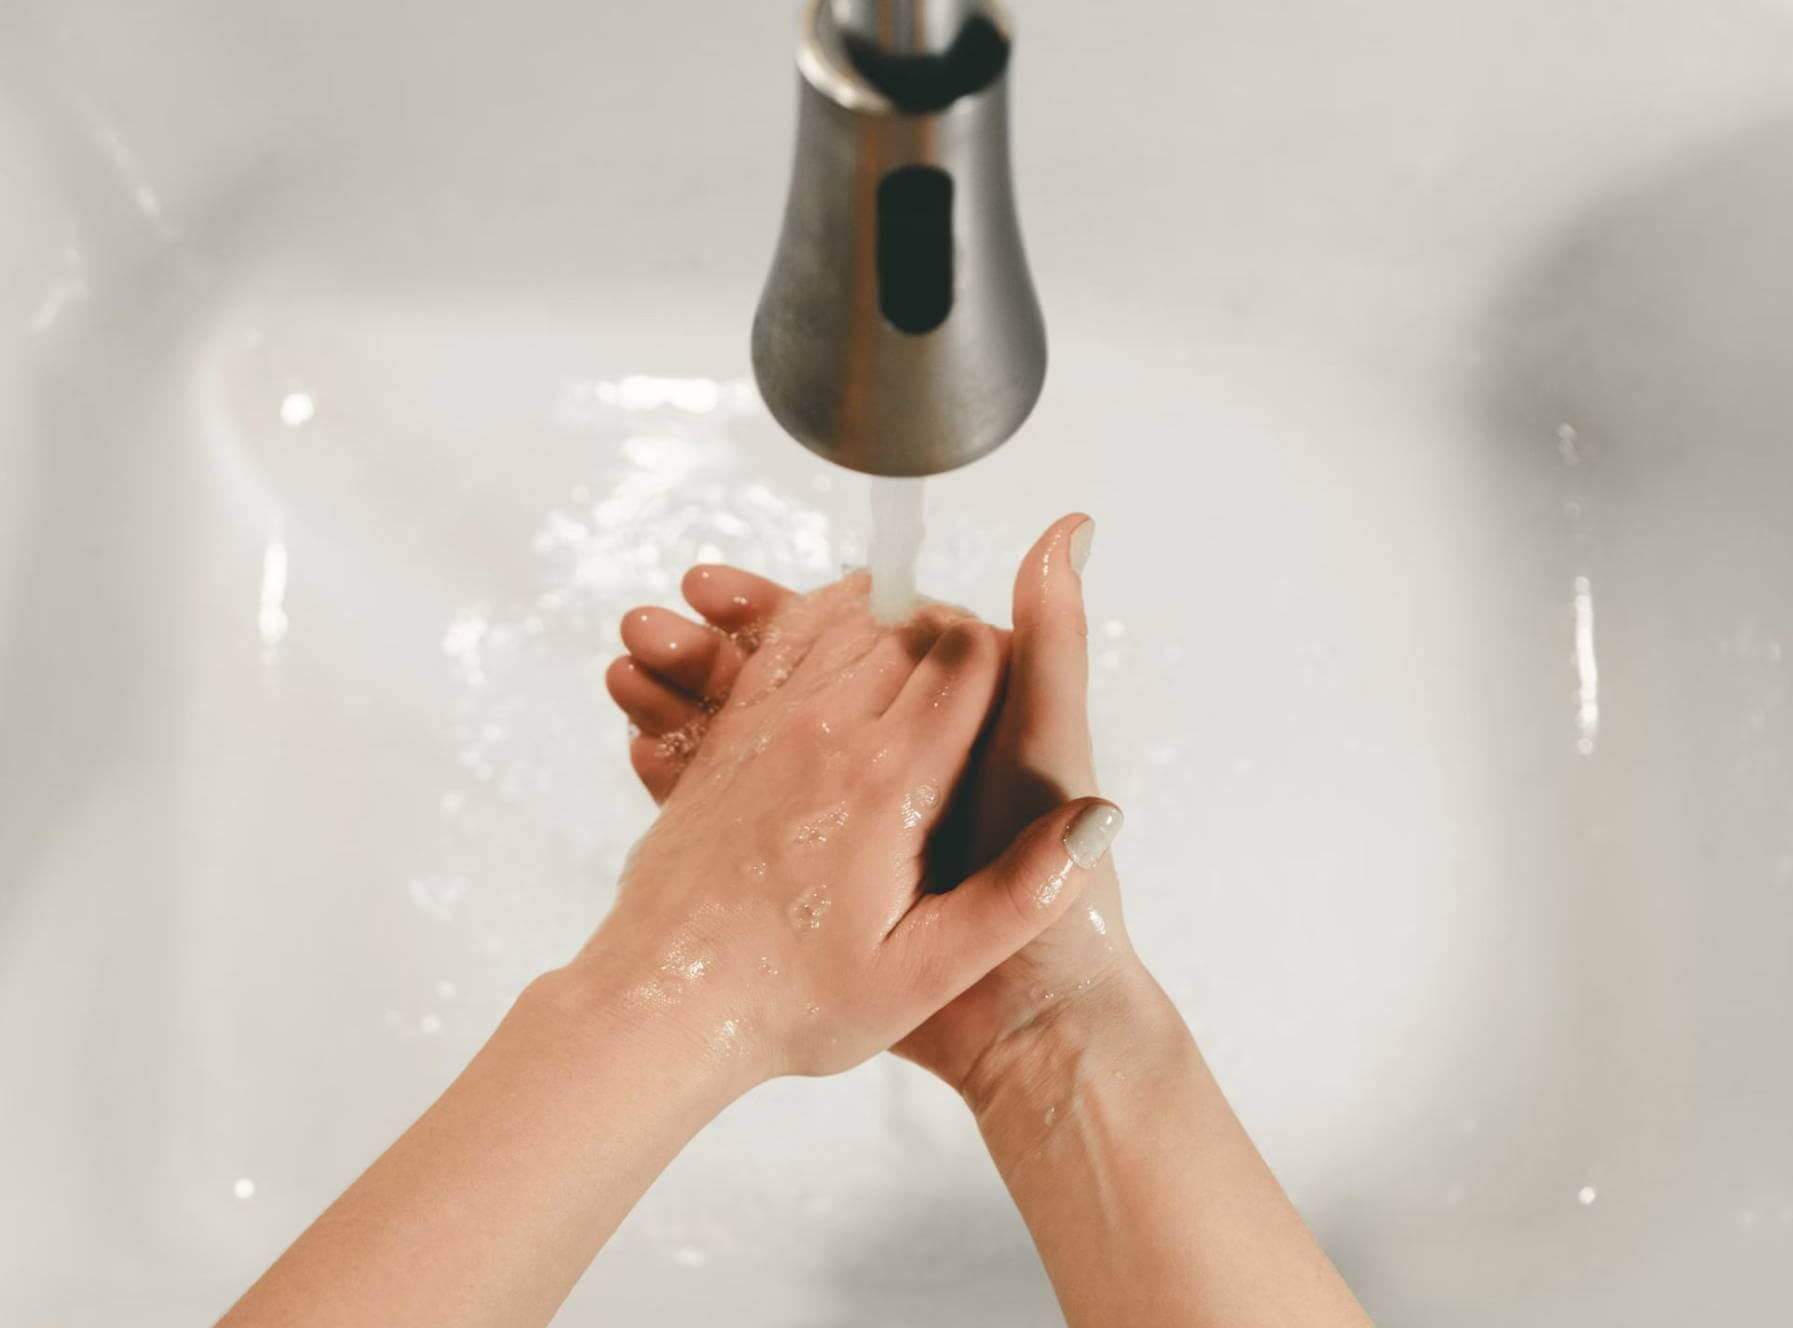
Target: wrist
{"type": "Point", "coordinates": [1120, 1036]}
{"type": "Point", "coordinates": [604, 1017]}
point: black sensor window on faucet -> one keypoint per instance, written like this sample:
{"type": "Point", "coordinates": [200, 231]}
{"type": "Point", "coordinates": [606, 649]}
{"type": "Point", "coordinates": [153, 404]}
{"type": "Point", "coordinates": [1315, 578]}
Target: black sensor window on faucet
{"type": "Point", "coordinates": [915, 248]}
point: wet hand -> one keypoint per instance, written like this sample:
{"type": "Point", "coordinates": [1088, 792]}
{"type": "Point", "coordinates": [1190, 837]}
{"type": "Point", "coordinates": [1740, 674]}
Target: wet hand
{"type": "Point", "coordinates": [780, 910]}
{"type": "Point", "coordinates": [1037, 754]}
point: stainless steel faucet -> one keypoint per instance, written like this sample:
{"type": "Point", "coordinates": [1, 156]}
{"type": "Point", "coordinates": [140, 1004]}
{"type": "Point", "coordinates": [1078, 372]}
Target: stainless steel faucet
{"type": "Point", "coordinates": [899, 332]}
{"type": "Point", "coordinates": [904, 27]}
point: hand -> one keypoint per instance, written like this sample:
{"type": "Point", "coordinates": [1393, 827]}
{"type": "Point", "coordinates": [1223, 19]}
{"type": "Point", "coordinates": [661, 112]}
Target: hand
{"type": "Point", "coordinates": [780, 910]}
{"type": "Point", "coordinates": [1037, 754]}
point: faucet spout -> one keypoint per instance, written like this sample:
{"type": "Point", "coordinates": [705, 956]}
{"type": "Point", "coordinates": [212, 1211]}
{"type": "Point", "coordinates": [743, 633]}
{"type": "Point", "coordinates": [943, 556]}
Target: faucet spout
{"type": "Point", "coordinates": [899, 333]}
{"type": "Point", "coordinates": [904, 27]}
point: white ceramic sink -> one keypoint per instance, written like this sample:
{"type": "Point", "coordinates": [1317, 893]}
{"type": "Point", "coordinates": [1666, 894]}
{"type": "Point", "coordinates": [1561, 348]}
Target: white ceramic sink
{"type": "Point", "coordinates": [1426, 366]}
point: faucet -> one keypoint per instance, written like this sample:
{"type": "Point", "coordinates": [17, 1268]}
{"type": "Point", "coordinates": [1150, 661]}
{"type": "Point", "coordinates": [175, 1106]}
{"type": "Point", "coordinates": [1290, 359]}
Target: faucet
{"type": "Point", "coordinates": [899, 333]}
{"type": "Point", "coordinates": [904, 27]}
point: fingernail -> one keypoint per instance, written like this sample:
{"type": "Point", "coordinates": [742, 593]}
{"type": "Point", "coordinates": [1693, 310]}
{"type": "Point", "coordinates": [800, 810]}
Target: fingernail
{"type": "Point", "coordinates": [1092, 832]}
{"type": "Point", "coordinates": [1080, 542]}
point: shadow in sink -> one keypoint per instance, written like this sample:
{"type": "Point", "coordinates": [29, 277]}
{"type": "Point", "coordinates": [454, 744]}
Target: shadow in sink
{"type": "Point", "coordinates": [955, 1261]}
{"type": "Point", "coordinates": [107, 540]}
{"type": "Point", "coordinates": [1639, 380]}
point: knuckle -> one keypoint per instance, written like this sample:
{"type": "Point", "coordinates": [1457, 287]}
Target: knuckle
{"type": "Point", "coordinates": [925, 968]}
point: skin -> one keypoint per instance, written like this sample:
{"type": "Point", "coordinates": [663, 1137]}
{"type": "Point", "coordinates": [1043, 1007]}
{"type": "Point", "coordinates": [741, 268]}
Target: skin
{"type": "Point", "coordinates": [1146, 1198]}
{"type": "Point", "coordinates": [783, 916]}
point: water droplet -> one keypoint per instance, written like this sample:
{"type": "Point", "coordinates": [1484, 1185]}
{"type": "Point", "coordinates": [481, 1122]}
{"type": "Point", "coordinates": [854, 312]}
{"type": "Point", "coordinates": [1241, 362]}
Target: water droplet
{"type": "Point", "coordinates": [438, 896]}
{"type": "Point", "coordinates": [270, 620]}
{"type": "Point", "coordinates": [1587, 669]}
{"type": "Point", "coordinates": [818, 830]}
{"type": "Point", "coordinates": [1049, 889]}
{"type": "Point", "coordinates": [296, 409]}
{"type": "Point", "coordinates": [1567, 444]}
{"type": "Point", "coordinates": [917, 804]}
{"type": "Point", "coordinates": [808, 909]}
{"type": "Point", "coordinates": [682, 743]}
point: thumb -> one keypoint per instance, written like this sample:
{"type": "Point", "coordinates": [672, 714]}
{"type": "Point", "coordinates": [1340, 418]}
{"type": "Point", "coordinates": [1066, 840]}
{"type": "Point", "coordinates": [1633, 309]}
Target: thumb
{"type": "Point", "coordinates": [951, 940]}
{"type": "Point", "coordinates": [1049, 668]}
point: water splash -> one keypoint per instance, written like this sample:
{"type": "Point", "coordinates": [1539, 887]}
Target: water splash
{"type": "Point", "coordinates": [679, 479]}
{"type": "Point", "coordinates": [532, 733]}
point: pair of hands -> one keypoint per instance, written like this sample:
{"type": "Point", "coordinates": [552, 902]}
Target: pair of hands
{"type": "Point", "coordinates": [866, 842]}
{"type": "Point", "coordinates": [852, 853]}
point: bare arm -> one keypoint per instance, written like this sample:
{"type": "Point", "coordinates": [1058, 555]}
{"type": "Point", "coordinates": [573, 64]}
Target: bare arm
{"type": "Point", "coordinates": [774, 921]}
{"type": "Point", "coordinates": [487, 1210]}
{"type": "Point", "coordinates": [1146, 1198]}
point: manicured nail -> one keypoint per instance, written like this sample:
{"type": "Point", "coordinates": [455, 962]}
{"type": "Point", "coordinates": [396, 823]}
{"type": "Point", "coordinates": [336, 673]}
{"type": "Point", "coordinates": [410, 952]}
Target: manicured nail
{"type": "Point", "coordinates": [1092, 832]}
{"type": "Point", "coordinates": [1080, 542]}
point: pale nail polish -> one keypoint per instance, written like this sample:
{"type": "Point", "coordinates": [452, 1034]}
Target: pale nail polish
{"type": "Point", "coordinates": [1092, 832]}
{"type": "Point", "coordinates": [1080, 542]}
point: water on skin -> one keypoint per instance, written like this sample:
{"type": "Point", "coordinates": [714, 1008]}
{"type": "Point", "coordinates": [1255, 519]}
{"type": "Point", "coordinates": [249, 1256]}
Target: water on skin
{"type": "Point", "coordinates": [818, 830]}
{"type": "Point", "coordinates": [897, 529]}
{"type": "Point", "coordinates": [917, 805]}
{"type": "Point", "coordinates": [1048, 891]}
{"type": "Point", "coordinates": [807, 910]}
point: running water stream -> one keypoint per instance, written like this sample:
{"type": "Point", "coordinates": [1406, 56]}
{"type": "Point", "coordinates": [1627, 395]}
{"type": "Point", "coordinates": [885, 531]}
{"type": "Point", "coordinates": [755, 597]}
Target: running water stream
{"type": "Point", "coordinates": [897, 529]}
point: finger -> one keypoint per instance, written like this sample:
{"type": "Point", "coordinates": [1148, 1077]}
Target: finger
{"type": "Point", "coordinates": [949, 941]}
{"type": "Point", "coordinates": [878, 676]}
{"type": "Point", "coordinates": [788, 641]}
{"type": "Point", "coordinates": [650, 704]}
{"type": "Point", "coordinates": [1045, 712]}
{"type": "Point", "coordinates": [951, 690]}
{"type": "Point", "coordinates": [657, 765]}
{"type": "Point", "coordinates": [700, 661]}
{"type": "Point", "coordinates": [737, 602]}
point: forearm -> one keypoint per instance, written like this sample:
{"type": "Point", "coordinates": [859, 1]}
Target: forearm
{"type": "Point", "coordinates": [487, 1210]}
{"type": "Point", "coordinates": [1146, 1198]}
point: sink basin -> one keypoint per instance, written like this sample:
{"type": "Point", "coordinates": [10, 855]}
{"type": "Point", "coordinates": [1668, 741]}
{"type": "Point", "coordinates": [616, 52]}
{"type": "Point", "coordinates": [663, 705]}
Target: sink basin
{"type": "Point", "coordinates": [1424, 367]}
